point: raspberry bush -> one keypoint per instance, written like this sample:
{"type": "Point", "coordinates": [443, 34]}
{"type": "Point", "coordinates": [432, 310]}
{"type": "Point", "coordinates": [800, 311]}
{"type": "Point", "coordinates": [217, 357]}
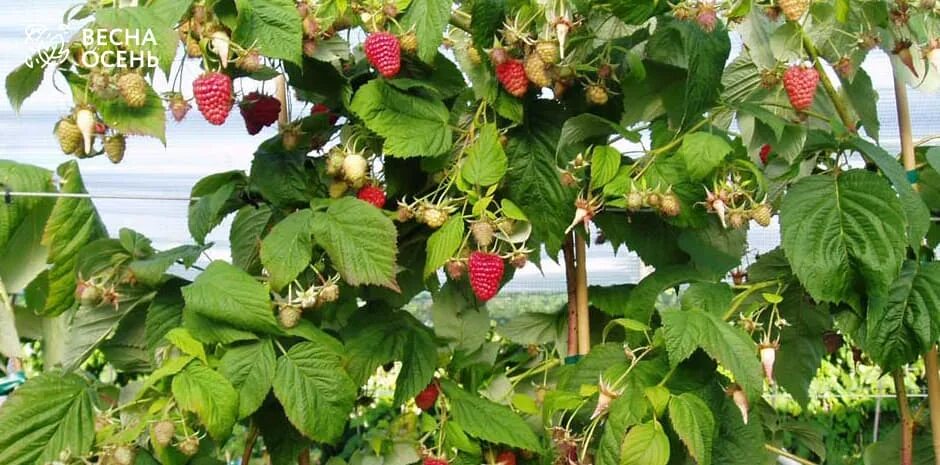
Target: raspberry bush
{"type": "Point", "coordinates": [425, 146]}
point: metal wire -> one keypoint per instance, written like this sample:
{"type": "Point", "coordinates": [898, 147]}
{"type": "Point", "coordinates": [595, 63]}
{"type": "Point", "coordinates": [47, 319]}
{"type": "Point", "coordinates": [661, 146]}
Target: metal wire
{"type": "Point", "coordinates": [68, 195]}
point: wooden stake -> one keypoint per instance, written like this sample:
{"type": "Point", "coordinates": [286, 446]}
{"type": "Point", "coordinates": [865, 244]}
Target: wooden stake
{"type": "Point", "coordinates": [584, 323]}
{"type": "Point", "coordinates": [568, 251]}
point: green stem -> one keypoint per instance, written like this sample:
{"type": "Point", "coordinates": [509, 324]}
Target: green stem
{"type": "Point", "coordinates": [538, 369]}
{"type": "Point", "coordinates": [461, 21]}
{"type": "Point", "coordinates": [831, 91]}
{"type": "Point", "coordinates": [740, 298]}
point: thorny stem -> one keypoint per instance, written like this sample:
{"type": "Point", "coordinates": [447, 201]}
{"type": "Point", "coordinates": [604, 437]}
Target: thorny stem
{"type": "Point", "coordinates": [250, 443]}
{"type": "Point", "coordinates": [570, 271]}
{"type": "Point", "coordinates": [831, 91]}
{"type": "Point", "coordinates": [907, 422]}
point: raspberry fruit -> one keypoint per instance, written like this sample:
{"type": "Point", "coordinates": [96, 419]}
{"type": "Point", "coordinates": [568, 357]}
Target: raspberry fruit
{"type": "Point", "coordinates": [486, 273]}
{"type": "Point", "coordinates": [133, 89]}
{"type": "Point", "coordinates": [474, 55]}
{"type": "Point", "coordinates": [213, 93]}
{"type": "Point", "coordinates": [512, 75]}
{"type": "Point", "coordinates": [289, 315]}
{"type": "Point", "coordinates": [190, 446]}
{"type": "Point", "coordinates": [250, 62]}
{"type": "Point", "coordinates": [409, 43]}
{"type": "Point", "coordinates": [354, 169]}
{"type": "Point", "coordinates": [123, 455]}
{"type": "Point", "coordinates": [337, 189]}
{"type": "Point", "coordinates": [427, 397]}
{"type": "Point", "coordinates": [384, 53]}
{"type": "Point", "coordinates": [547, 51]}
{"type": "Point", "coordinates": [761, 214]}
{"type": "Point", "coordinates": [179, 107]}
{"type": "Point", "coordinates": [435, 217]}
{"type": "Point", "coordinates": [635, 200]}
{"type": "Point", "coordinates": [506, 457]}
{"type": "Point", "coordinates": [290, 137]}
{"type": "Point", "coordinates": [669, 204]}
{"type": "Point", "coordinates": [800, 83]}
{"type": "Point", "coordinates": [764, 153]}
{"type": "Point", "coordinates": [69, 136]}
{"type": "Point", "coordinates": [455, 269]}
{"type": "Point", "coordinates": [114, 147]}
{"type": "Point", "coordinates": [329, 292]}
{"type": "Point", "coordinates": [499, 55]}
{"type": "Point", "coordinates": [431, 460]}
{"type": "Point", "coordinates": [482, 233]}
{"type": "Point", "coordinates": [321, 109]}
{"type": "Point", "coordinates": [334, 162]}
{"type": "Point", "coordinates": [596, 95]}
{"type": "Point", "coordinates": [737, 219]}
{"type": "Point", "coordinates": [794, 9]}
{"type": "Point", "coordinates": [519, 260]}
{"type": "Point", "coordinates": [707, 17]}
{"type": "Point", "coordinates": [163, 432]}
{"type": "Point", "coordinates": [372, 194]}
{"type": "Point", "coordinates": [536, 71]}
{"type": "Point", "coordinates": [259, 111]}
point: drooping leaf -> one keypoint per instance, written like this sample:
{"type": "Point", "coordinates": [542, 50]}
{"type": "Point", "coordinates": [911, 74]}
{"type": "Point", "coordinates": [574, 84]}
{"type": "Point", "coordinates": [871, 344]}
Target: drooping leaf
{"type": "Point", "coordinates": [443, 244]}
{"type": "Point", "coordinates": [288, 248]}
{"type": "Point", "coordinates": [842, 232]}
{"type": "Point", "coordinates": [645, 444]}
{"type": "Point", "coordinates": [51, 413]}
{"type": "Point", "coordinates": [360, 240]}
{"type": "Point", "coordinates": [229, 295]}
{"type": "Point", "coordinates": [205, 392]}
{"type": "Point", "coordinates": [310, 378]}
{"type": "Point", "coordinates": [428, 18]}
{"type": "Point", "coordinates": [24, 81]}
{"type": "Point", "coordinates": [143, 22]}
{"type": "Point", "coordinates": [272, 26]}
{"type": "Point", "coordinates": [694, 423]}
{"type": "Point", "coordinates": [864, 99]}
{"type": "Point", "coordinates": [250, 369]}
{"type": "Point", "coordinates": [218, 196]}
{"type": "Point", "coordinates": [412, 126]}
{"type": "Point", "coordinates": [628, 410]}
{"type": "Point", "coordinates": [248, 228]}
{"type": "Point", "coordinates": [801, 343]}
{"type": "Point", "coordinates": [22, 254]}
{"type": "Point", "coordinates": [489, 421]}
{"type": "Point", "coordinates": [486, 162]}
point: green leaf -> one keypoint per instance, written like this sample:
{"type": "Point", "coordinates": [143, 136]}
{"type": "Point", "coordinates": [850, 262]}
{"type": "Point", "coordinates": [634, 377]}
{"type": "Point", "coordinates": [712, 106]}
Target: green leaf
{"type": "Point", "coordinates": [843, 232]}
{"type": "Point", "coordinates": [864, 99]}
{"type": "Point", "coordinates": [714, 248]}
{"type": "Point", "coordinates": [360, 240]}
{"type": "Point", "coordinates": [489, 421]}
{"type": "Point", "coordinates": [249, 226]}
{"type": "Point", "coordinates": [714, 298]}
{"type": "Point", "coordinates": [916, 212]}
{"type": "Point", "coordinates": [310, 378]}
{"type": "Point", "coordinates": [686, 331]}
{"type": "Point", "coordinates": [22, 254]}
{"type": "Point", "coordinates": [605, 163]}
{"type": "Point", "coordinates": [486, 16]}
{"type": "Point", "coordinates": [537, 328]}
{"type": "Point", "coordinates": [229, 295]}
{"type": "Point", "coordinates": [24, 81]}
{"type": "Point", "coordinates": [801, 343]}
{"type": "Point", "coordinates": [645, 444]}
{"type": "Point", "coordinates": [412, 126]}
{"type": "Point", "coordinates": [205, 392]}
{"type": "Point", "coordinates": [388, 337]}
{"type": "Point", "coordinates": [73, 223]}
{"type": "Point", "coordinates": [694, 423]}
{"type": "Point", "coordinates": [150, 271]}
{"type": "Point", "coordinates": [486, 161]}
{"type": "Point", "coordinates": [51, 413]}
{"type": "Point", "coordinates": [581, 130]}
{"type": "Point", "coordinates": [428, 18]}
{"type": "Point", "coordinates": [186, 343]}
{"type": "Point", "coordinates": [281, 440]}
{"type": "Point", "coordinates": [443, 244]}
{"type": "Point", "coordinates": [250, 369]}
{"type": "Point", "coordinates": [645, 233]}
{"type": "Point", "coordinates": [218, 196]}
{"type": "Point", "coordinates": [625, 411]}
{"type": "Point", "coordinates": [272, 25]}
{"type": "Point", "coordinates": [283, 178]}
{"type": "Point", "coordinates": [458, 318]}
{"type": "Point", "coordinates": [903, 324]}
{"type": "Point", "coordinates": [89, 327]}
{"type": "Point", "coordinates": [643, 297]}
{"type": "Point", "coordinates": [702, 153]}
{"type": "Point", "coordinates": [170, 11]}
{"type": "Point", "coordinates": [164, 314]}
{"type": "Point", "coordinates": [143, 21]}
{"type": "Point", "coordinates": [287, 250]}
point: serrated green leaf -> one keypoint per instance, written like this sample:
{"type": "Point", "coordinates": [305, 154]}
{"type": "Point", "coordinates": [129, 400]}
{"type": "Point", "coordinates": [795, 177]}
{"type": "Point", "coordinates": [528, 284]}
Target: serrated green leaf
{"type": "Point", "coordinates": [310, 378]}
{"type": "Point", "coordinates": [486, 161]}
{"type": "Point", "coordinates": [428, 18]}
{"type": "Point", "coordinates": [628, 410]}
{"type": "Point", "coordinates": [218, 196]}
{"type": "Point", "coordinates": [580, 131]}
{"type": "Point", "coordinates": [22, 254]}
{"type": "Point", "coordinates": [288, 248]}
{"type": "Point", "coordinates": [694, 423]}
{"type": "Point", "coordinates": [186, 343]}
{"type": "Point", "coordinates": [250, 369]}
{"type": "Point", "coordinates": [645, 233]}
{"type": "Point", "coordinates": [443, 244]}
{"type": "Point", "coordinates": [512, 211]}
{"type": "Point", "coordinates": [143, 21]}
{"type": "Point", "coordinates": [150, 271]}
{"type": "Point", "coordinates": [801, 343]}
{"type": "Point", "coordinates": [605, 163]}
{"type": "Point", "coordinates": [902, 325]}
{"type": "Point", "coordinates": [248, 227]}
{"type": "Point", "coordinates": [360, 240]}
{"type": "Point", "coordinates": [536, 328]}
{"type": "Point", "coordinates": [205, 392]}
{"type": "Point", "coordinates": [702, 153]}
{"type": "Point", "coordinates": [486, 16]}
{"type": "Point", "coordinates": [714, 298]}
{"type": "Point", "coordinates": [51, 413]}
{"type": "Point", "coordinates": [645, 444]}
{"type": "Point", "coordinates": [687, 330]}
{"type": "Point", "coordinates": [412, 126]}
{"type": "Point", "coordinates": [842, 232]}
{"type": "Point", "coordinates": [864, 99]}
{"type": "Point", "coordinates": [24, 81]}
{"type": "Point", "coordinates": [489, 421]}
{"type": "Point", "coordinates": [643, 296]}
{"type": "Point", "coordinates": [229, 295]}
{"type": "Point", "coordinates": [458, 318]}
{"type": "Point", "coordinates": [272, 26]}
{"type": "Point", "coordinates": [164, 313]}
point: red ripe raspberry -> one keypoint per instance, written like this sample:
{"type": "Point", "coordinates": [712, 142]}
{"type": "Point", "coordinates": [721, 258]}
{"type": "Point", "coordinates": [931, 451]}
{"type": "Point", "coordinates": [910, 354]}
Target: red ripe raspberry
{"type": "Point", "coordinates": [320, 108]}
{"type": "Point", "coordinates": [800, 83]}
{"type": "Point", "coordinates": [259, 111]}
{"type": "Point", "coordinates": [506, 457]}
{"type": "Point", "coordinates": [486, 273]}
{"type": "Point", "coordinates": [427, 397]}
{"type": "Point", "coordinates": [372, 194]}
{"type": "Point", "coordinates": [213, 93]}
{"type": "Point", "coordinates": [384, 52]}
{"type": "Point", "coordinates": [511, 74]}
{"type": "Point", "coordinates": [435, 461]}
{"type": "Point", "coordinates": [764, 153]}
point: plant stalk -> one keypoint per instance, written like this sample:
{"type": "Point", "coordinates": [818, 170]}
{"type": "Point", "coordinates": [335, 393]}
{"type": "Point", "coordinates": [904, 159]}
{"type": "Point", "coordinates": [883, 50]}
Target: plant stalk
{"type": "Point", "coordinates": [460, 21]}
{"type": "Point", "coordinates": [932, 371]}
{"type": "Point", "coordinates": [831, 91]}
{"type": "Point", "coordinates": [570, 271]}
{"type": "Point", "coordinates": [250, 443]}
{"type": "Point", "coordinates": [584, 323]}
{"type": "Point", "coordinates": [304, 458]}
{"type": "Point", "coordinates": [907, 421]}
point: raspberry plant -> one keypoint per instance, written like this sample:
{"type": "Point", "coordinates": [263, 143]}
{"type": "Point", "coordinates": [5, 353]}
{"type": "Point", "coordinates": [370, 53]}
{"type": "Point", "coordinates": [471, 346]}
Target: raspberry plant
{"type": "Point", "coordinates": [475, 137]}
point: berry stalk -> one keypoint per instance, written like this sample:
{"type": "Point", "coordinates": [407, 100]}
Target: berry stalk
{"type": "Point", "coordinates": [831, 91]}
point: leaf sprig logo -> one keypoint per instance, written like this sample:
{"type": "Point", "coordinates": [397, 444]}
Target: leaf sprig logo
{"type": "Point", "coordinates": [53, 47]}
{"type": "Point", "coordinates": [92, 47]}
